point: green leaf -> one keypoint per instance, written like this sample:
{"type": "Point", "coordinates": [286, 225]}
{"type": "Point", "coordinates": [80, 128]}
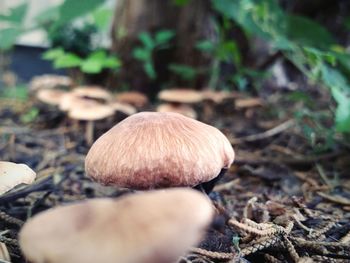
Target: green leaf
{"type": "Point", "coordinates": [181, 2]}
{"type": "Point", "coordinates": [8, 37]}
{"type": "Point", "coordinates": [48, 15]}
{"type": "Point", "coordinates": [30, 116]}
{"type": "Point", "coordinates": [205, 46]}
{"type": "Point", "coordinates": [17, 92]}
{"type": "Point", "coordinates": [102, 17]}
{"type": "Point", "coordinates": [142, 54]}
{"type": "Point", "coordinates": [91, 67]}
{"type": "Point", "coordinates": [97, 61]}
{"type": "Point", "coordinates": [184, 71]}
{"type": "Point", "coordinates": [53, 54]}
{"type": "Point", "coordinates": [308, 32]}
{"type": "Point", "coordinates": [112, 62]}
{"type": "Point", "coordinates": [149, 69]}
{"type": "Point", "coordinates": [68, 60]}
{"type": "Point", "coordinates": [146, 40]}
{"type": "Point", "coordinates": [16, 15]}
{"type": "Point", "coordinates": [71, 9]}
{"type": "Point", "coordinates": [342, 114]}
{"type": "Point", "coordinates": [163, 36]}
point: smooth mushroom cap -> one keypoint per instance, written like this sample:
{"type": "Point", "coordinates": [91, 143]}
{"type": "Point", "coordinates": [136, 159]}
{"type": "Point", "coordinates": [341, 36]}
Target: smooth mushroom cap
{"type": "Point", "coordinates": [123, 107]}
{"type": "Point", "coordinates": [134, 98]}
{"type": "Point", "coordinates": [153, 150]}
{"type": "Point", "coordinates": [183, 109]}
{"type": "Point", "coordinates": [180, 96]}
{"type": "Point", "coordinates": [90, 110]}
{"type": "Point", "coordinates": [13, 174]}
{"type": "Point", "coordinates": [49, 82]}
{"type": "Point", "coordinates": [217, 96]}
{"type": "Point", "coordinates": [50, 96]}
{"type": "Point", "coordinates": [94, 92]}
{"type": "Point", "coordinates": [149, 227]}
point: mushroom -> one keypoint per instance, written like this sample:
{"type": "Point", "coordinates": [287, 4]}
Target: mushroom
{"type": "Point", "coordinates": [180, 96]}
{"type": "Point", "coordinates": [93, 92]}
{"type": "Point", "coordinates": [154, 150]}
{"type": "Point", "coordinates": [133, 98]}
{"type": "Point", "coordinates": [50, 82]}
{"type": "Point", "coordinates": [123, 107]}
{"type": "Point", "coordinates": [13, 174]}
{"type": "Point", "coordinates": [148, 227]}
{"type": "Point", "coordinates": [182, 109]}
{"type": "Point", "coordinates": [90, 111]}
{"type": "Point", "coordinates": [50, 96]}
{"type": "Point", "coordinates": [178, 100]}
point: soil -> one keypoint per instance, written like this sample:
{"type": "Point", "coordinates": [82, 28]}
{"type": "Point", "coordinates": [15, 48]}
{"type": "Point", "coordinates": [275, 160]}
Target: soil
{"type": "Point", "coordinates": [285, 199]}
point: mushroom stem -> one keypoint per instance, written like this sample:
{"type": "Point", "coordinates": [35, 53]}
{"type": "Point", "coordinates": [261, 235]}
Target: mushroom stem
{"type": "Point", "coordinates": [207, 187]}
{"type": "Point", "coordinates": [89, 135]}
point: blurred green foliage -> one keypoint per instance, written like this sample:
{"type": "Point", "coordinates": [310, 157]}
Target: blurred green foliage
{"type": "Point", "coordinates": [94, 63]}
{"type": "Point", "coordinates": [306, 43]}
{"type": "Point", "coordinates": [19, 92]}
{"type": "Point", "coordinates": [149, 44]}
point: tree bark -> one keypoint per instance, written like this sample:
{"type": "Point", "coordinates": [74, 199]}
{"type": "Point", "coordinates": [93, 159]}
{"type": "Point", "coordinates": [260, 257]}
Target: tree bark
{"type": "Point", "coordinates": [191, 23]}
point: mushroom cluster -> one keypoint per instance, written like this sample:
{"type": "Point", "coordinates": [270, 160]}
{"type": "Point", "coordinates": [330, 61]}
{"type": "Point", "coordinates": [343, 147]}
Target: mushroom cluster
{"type": "Point", "coordinates": [87, 103]}
{"type": "Point", "coordinates": [182, 101]}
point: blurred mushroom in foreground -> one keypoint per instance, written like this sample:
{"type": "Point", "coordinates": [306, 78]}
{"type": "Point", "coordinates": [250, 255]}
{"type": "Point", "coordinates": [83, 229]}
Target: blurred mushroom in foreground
{"type": "Point", "coordinates": [149, 227]}
{"type": "Point", "coordinates": [13, 174]}
{"type": "Point", "coordinates": [154, 150]}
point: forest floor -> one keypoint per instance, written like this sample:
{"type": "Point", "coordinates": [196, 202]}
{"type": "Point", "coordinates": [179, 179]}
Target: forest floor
{"type": "Point", "coordinates": [281, 201]}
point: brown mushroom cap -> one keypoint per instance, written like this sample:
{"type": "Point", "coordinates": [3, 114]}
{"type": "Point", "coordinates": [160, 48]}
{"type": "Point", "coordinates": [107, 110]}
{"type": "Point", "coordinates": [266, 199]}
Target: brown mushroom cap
{"type": "Point", "coordinates": [180, 96]}
{"type": "Point", "coordinates": [13, 174]}
{"type": "Point", "coordinates": [182, 109]}
{"type": "Point", "coordinates": [152, 227]}
{"type": "Point", "coordinates": [94, 92]}
{"type": "Point", "coordinates": [50, 96]}
{"type": "Point", "coordinates": [134, 98]}
{"type": "Point", "coordinates": [154, 150]}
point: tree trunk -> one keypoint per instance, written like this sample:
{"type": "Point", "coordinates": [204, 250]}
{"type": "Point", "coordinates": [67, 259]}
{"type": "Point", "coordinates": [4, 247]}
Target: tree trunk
{"type": "Point", "coordinates": [191, 23]}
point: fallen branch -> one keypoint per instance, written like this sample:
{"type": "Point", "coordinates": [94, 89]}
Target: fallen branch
{"type": "Point", "coordinates": [269, 133]}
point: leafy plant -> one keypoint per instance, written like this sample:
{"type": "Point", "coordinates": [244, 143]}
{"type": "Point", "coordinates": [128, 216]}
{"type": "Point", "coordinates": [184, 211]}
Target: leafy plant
{"type": "Point", "coordinates": [93, 64]}
{"type": "Point", "coordinates": [30, 115]}
{"type": "Point", "coordinates": [307, 44]}
{"type": "Point", "coordinates": [18, 92]}
{"type": "Point", "coordinates": [150, 44]}
{"type": "Point", "coordinates": [185, 72]}
{"type": "Point", "coordinates": [13, 21]}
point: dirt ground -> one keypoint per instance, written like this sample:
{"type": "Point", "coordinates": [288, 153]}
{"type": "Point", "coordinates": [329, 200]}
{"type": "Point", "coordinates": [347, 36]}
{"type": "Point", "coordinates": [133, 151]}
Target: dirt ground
{"type": "Point", "coordinates": [283, 200]}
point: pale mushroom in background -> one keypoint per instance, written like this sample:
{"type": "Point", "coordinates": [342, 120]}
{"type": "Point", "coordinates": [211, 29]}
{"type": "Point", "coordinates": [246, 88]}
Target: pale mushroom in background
{"type": "Point", "coordinates": [13, 174]}
{"type": "Point", "coordinates": [50, 96]}
{"type": "Point", "coordinates": [183, 109]}
{"type": "Point", "coordinates": [90, 111]}
{"type": "Point", "coordinates": [134, 98]}
{"type": "Point", "coordinates": [93, 92]}
{"type": "Point", "coordinates": [49, 82]}
{"type": "Point", "coordinates": [156, 150]}
{"type": "Point", "coordinates": [123, 107]}
{"type": "Point", "coordinates": [180, 96]}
